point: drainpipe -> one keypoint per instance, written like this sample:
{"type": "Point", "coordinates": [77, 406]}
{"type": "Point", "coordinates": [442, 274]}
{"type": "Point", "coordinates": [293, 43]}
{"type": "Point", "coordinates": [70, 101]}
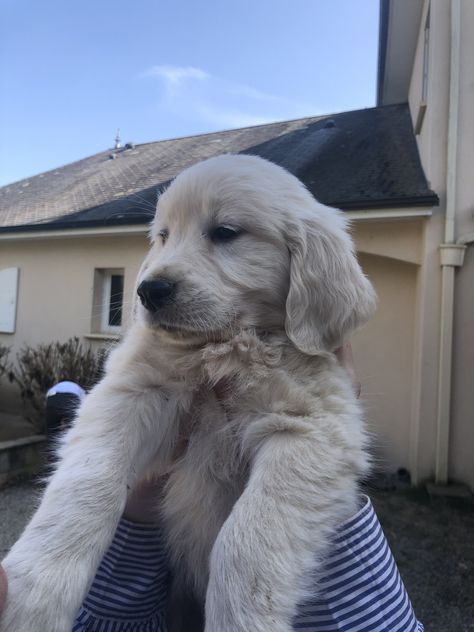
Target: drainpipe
{"type": "Point", "coordinates": [452, 256]}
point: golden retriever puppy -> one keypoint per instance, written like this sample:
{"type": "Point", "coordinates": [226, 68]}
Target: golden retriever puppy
{"type": "Point", "coordinates": [227, 383]}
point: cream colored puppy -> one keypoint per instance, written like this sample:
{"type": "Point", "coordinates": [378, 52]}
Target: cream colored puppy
{"type": "Point", "coordinates": [227, 383]}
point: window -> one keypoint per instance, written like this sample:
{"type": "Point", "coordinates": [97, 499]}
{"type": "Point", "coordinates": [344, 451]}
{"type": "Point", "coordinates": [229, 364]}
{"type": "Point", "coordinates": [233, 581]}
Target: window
{"type": "Point", "coordinates": [426, 53]}
{"type": "Point", "coordinates": [424, 84]}
{"type": "Point", "coordinates": [108, 301]}
{"type": "Point", "coordinates": [8, 299]}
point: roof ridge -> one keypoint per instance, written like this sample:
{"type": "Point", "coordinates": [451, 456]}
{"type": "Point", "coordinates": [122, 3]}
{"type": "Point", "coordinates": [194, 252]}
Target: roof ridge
{"type": "Point", "coordinates": [168, 140]}
{"type": "Point", "coordinates": [235, 129]}
{"type": "Point", "coordinates": [199, 135]}
{"type": "Point", "coordinates": [318, 117]}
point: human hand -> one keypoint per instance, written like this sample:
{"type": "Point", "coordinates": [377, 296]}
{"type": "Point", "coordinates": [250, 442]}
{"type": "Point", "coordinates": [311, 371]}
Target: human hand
{"type": "Point", "coordinates": [143, 501]}
{"type": "Point", "coordinates": [346, 360]}
{"type": "Point", "coordinates": [3, 588]}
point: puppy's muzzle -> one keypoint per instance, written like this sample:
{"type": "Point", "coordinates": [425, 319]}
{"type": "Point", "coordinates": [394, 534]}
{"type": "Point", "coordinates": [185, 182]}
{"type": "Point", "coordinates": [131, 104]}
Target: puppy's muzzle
{"type": "Point", "coordinates": [156, 293]}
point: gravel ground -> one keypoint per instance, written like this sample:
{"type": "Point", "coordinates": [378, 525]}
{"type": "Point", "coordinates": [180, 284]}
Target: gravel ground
{"type": "Point", "coordinates": [432, 540]}
{"type": "Point", "coordinates": [17, 503]}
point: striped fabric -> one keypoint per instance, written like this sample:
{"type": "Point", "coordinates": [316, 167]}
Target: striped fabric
{"type": "Point", "coordinates": [130, 589]}
{"type": "Point", "coordinates": [359, 591]}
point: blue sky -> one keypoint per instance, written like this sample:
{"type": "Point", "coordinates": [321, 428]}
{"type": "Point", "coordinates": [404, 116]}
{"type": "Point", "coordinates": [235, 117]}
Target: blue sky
{"type": "Point", "coordinates": [72, 72]}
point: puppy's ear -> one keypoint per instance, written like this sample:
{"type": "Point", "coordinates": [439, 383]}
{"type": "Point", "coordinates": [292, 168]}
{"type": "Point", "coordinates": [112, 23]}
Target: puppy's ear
{"type": "Point", "coordinates": [329, 294]}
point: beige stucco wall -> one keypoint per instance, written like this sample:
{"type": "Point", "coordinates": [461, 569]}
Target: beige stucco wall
{"type": "Point", "coordinates": [390, 253]}
{"type": "Point", "coordinates": [55, 291]}
{"type": "Point", "coordinates": [383, 352]}
{"type": "Point", "coordinates": [56, 283]}
{"type": "Point", "coordinates": [432, 143]}
{"type": "Point", "coordinates": [462, 429]}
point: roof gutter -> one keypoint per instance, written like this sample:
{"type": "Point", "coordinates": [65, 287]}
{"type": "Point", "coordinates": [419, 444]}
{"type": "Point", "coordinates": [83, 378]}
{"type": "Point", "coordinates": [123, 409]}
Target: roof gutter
{"type": "Point", "coordinates": [389, 214]}
{"type": "Point", "coordinates": [28, 233]}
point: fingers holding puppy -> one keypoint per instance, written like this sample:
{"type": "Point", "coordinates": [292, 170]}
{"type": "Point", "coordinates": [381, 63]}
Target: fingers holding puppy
{"type": "Point", "coordinates": [346, 359]}
{"type": "Point", "coordinates": [3, 588]}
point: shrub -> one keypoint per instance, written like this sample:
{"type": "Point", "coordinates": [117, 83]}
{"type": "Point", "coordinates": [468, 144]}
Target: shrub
{"type": "Point", "coordinates": [38, 368]}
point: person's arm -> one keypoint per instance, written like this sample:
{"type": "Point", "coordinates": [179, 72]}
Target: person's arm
{"type": "Point", "coordinates": [3, 588]}
{"type": "Point", "coordinates": [130, 589]}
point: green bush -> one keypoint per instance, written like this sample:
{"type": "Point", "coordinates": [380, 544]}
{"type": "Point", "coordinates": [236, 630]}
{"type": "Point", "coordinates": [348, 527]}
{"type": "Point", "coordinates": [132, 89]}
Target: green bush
{"type": "Point", "coordinates": [40, 367]}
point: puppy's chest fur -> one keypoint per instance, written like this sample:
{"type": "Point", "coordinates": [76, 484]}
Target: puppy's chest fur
{"type": "Point", "coordinates": [250, 388]}
{"type": "Point", "coordinates": [242, 382]}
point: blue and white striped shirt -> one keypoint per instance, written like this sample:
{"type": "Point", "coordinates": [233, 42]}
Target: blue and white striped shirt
{"type": "Point", "coordinates": [130, 589]}
{"type": "Point", "coordinates": [359, 591]}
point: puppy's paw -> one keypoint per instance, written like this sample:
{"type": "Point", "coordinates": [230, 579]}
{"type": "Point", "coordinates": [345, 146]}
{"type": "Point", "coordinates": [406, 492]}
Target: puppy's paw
{"type": "Point", "coordinates": [34, 602]}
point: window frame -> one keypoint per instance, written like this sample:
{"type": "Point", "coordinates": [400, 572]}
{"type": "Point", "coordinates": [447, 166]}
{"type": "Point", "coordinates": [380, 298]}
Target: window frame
{"type": "Point", "coordinates": [102, 301]}
{"type": "Point", "coordinates": [9, 286]}
{"type": "Point", "coordinates": [424, 73]}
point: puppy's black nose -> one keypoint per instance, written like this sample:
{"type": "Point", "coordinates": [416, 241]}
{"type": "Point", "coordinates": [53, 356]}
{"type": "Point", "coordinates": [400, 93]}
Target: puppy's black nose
{"type": "Point", "coordinates": [153, 294]}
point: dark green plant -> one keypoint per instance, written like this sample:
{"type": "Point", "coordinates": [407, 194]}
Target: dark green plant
{"type": "Point", "coordinates": [40, 367]}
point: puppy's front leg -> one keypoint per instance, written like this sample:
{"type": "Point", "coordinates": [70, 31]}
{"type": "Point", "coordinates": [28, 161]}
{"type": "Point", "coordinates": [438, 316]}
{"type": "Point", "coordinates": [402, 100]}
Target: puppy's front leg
{"type": "Point", "coordinates": [297, 494]}
{"type": "Point", "coordinates": [120, 427]}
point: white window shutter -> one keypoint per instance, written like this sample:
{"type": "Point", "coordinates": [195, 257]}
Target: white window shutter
{"type": "Point", "coordinates": [8, 298]}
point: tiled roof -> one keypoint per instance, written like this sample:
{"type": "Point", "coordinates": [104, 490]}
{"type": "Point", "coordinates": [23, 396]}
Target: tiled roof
{"type": "Point", "coordinates": [361, 159]}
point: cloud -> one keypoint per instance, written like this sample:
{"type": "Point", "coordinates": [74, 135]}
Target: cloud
{"type": "Point", "coordinates": [195, 95]}
{"type": "Point", "coordinates": [248, 92]}
{"type": "Point", "coordinates": [176, 74]}
{"type": "Point", "coordinates": [175, 77]}
{"type": "Point", "coordinates": [229, 118]}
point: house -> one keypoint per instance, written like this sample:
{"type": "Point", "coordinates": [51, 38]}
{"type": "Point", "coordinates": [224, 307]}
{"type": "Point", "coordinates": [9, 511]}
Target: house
{"type": "Point", "coordinates": [425, 59]}
{"type": "Point", "coordinates": [72, 239]}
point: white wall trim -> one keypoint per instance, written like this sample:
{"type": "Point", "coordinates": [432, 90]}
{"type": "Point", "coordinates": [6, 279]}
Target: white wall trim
{"type": "Point", "coordinates": [389, 214]}
{"type": "Point", "coordinates": [71, 233]}
{"type": "Point", "coordinates": [104, 336]}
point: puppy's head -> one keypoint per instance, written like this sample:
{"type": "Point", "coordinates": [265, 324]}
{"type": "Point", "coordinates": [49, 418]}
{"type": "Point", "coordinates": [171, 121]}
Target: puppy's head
{"type": "Point", "coordinates": [239, 242]}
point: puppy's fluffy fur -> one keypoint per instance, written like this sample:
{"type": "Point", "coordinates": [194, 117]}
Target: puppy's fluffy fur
{"type": "Point", "coordinates": [232, 390]}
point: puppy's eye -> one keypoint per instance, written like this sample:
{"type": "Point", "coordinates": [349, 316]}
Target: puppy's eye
{"type": "Point", "coordinates": [163, 235]}
{"type": "Point", "coordinates": [224, 233]}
